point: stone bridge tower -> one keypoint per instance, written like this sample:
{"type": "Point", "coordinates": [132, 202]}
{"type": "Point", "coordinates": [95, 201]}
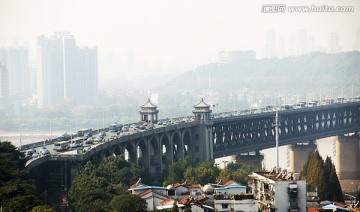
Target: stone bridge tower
{"type": "Point", "coordinates": [148, 112]}
{"type": "Point", "coordinates": [202, 140]}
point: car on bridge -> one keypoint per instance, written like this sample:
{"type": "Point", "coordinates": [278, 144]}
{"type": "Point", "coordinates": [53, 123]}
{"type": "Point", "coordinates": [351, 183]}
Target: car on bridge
{"type": "Point", "coordinates": [90, 140]}
{"type": "Point", "coordinates": [63, 137]}
{"type": "Point", "coordinates": [29, 153]}
{"type": "Point", "coordinates": [44, 151]}
{"type": "Point", "coordinates": [102, 135]}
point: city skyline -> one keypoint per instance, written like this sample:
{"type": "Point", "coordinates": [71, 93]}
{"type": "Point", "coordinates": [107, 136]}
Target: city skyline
{"type": "Point", "coordinates": [160, 37]}
{"type": "Point", "coordinates": [65, 71]}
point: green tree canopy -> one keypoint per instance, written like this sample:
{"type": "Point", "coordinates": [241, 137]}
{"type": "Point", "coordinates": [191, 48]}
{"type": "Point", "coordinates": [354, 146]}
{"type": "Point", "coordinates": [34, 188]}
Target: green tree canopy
{"type": "Point", "coordinates": [43, 208]}
{"type": "Point", "coordinates": [204, 173]}
{"type": "Point", "coordinates": [333, 187]}
{"type": "Point", "coordinates": [322, 175]}
{"type": "Point", "coordinates": [236, 172]}
{"type": "Point", "coordinates": [96, 184]}
{"type": "Point", "coordinates": [128, 202]}
{"type": "Point", "coordinates": [175, 172]}
{"type": "Point", "coordinates": [17, 192]}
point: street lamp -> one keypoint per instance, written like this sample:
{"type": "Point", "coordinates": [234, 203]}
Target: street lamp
{"type": "Point", "coordinates": [69, 125]}
{"type": "Point", "coordinates": [20, 134]}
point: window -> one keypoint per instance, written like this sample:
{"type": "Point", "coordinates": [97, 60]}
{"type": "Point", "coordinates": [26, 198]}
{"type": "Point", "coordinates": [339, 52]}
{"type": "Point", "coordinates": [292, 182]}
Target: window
{"type": "Point", "coordinates": [197, 148]}
{"type": "Point", "coordinates": [224, 206]}
{"type": "Point", "coordinates": [196, 136]}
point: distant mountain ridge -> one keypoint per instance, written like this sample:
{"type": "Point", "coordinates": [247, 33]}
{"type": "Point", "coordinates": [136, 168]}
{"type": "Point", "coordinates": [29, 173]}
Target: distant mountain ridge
{"type": "Point", "coordinates": [311, 71]}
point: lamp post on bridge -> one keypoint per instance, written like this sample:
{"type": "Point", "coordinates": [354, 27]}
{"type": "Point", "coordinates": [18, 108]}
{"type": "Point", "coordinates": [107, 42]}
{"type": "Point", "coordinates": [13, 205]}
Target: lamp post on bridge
{"type": "Point", "coordinates": [21, 134]}
{"type": "Point", "coordinates": [69, 125]}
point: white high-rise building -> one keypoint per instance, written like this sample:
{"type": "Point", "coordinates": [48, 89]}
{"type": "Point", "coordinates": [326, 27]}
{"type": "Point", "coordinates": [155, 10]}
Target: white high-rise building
{"type": "Point", "coordinates": [16, 61]}
{"type": "Point", "coordinates": [4, 81]}
{"type": "Point", "coordinates": [357, 40]}
{"type": "Point", "coordinates": [334, 44]}
{"type": "Point", "coordinates": [270, 46]}
{"type": "Point", "coordinates": [65, 71]}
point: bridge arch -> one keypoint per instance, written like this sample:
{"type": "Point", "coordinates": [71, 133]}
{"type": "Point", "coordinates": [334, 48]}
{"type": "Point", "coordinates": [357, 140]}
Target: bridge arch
{"type": "Point", "coordinates": [154, 151]}
{"type": "Point", "coordinates": [118, 150]}
{"type": "Point", "coordinates": [142, 154]}
{"type": "Point", "coordinates": [177, 146]}
{"type": "Point", "coordinates": [186, 140]}
{"type": "Point", "coordinates": [129, 152]}
{"type": "Point", "coordinates": [166, 150]}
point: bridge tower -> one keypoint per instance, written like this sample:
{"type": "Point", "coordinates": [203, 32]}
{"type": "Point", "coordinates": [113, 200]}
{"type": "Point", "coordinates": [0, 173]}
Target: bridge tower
{"type": "Point", "coordinates": [202, 134]}
{"type": "Point", "coordinates": [299, 154]}
{"type": "Point", "coordinates": [348, 162]}
{"type": "Point", "coordinates": [148, 112]}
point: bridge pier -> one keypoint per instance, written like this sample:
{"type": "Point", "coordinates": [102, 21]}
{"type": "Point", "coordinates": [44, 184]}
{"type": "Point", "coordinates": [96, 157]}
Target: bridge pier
{"type": "Point", "coordinates": [299, 154]}
{"type": "Point", "coordinates": [253, 158]}
{"type": "Point", "coordinates": [348, 162]}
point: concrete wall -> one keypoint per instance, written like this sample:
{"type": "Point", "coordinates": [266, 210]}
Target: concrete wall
{"type": "Point", "coordinates": [348, 157]}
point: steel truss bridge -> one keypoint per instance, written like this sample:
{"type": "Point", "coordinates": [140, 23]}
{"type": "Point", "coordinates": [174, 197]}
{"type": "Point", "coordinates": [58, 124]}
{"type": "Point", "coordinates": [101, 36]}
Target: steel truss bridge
{"type": "Point", "coordinates": [246, 133]}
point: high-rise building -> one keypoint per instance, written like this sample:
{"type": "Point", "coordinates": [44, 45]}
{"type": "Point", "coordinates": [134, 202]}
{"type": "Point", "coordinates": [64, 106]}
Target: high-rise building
{"type": "Point", "coordinates": [334, 45]}
{"type": "Point", "coordinates": [357, 40]}
{"type": "Point", "coordinates": [16, 61]}
{"type": "Point", "coordinates": [4, 81]}
{"type": "Point", "coordinates": [65, 71]}
{"type": "Point", "coordinates": [270, 46]}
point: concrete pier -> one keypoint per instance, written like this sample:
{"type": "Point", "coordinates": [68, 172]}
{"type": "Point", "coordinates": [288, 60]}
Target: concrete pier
{"type": "Point", "coordinates": [348, 157]}
{"type": "Point", "coordinates": [254, 159]}
{"type": "Point", "coordinates": [348, 162]}
{"type": "Point", "coordinates": [299, 154]}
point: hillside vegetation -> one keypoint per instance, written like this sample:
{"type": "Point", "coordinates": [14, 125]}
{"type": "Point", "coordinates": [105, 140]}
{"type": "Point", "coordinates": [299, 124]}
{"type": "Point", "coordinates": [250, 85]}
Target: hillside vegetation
{"type": "Point", "coordinates": [311, 71]}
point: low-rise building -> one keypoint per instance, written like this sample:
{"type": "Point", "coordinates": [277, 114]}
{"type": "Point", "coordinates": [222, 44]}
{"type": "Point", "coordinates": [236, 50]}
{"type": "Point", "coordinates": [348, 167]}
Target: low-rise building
{"type": "Point", "coordinates": [230, 196]}
{"type": "Point", "coordinates": [279, 192]}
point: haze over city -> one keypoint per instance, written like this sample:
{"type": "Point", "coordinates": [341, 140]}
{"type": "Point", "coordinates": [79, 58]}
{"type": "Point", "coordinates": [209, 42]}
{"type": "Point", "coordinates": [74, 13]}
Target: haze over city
{"type": "Point", "coordinates": [142, 38]}
{"type": "Point", "coordinates": [205, 104]}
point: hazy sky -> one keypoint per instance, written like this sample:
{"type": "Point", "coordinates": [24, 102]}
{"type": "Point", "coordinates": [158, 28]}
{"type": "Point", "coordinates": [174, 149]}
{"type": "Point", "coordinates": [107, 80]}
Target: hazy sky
{"type": "Point", "coordinates": [165, 32]}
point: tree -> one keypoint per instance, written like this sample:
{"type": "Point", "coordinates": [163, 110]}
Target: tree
{"type": "Point", "coordinates": [314, 169]}
{"type": "Point", "coordinates": [335, 185]}
{"type": "Point", "coordinates": [204, 173]}
{"type": "Point", "coordinates": [322, 175]}
{"type": "Point", "coordinates": [96, 184]}
{"type": "Point", "coordinates": [43, 208]}
{"type": "Point", "coordinates": [175, 172]}
{"type": "Point", "coordinates": [236, 172]}
{"type": "Point", "coordinates": [128, 202]}
{"type": "Point", "coordinates": [358, 196]}
{"type": "Point", "coordinates": [17, 192]}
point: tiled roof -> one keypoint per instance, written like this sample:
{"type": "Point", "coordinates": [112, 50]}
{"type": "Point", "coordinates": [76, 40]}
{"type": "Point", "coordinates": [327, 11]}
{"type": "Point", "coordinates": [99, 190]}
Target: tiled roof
{"type": "Point", "coordinates": [184, 200]}
{"type": "Point", "coordinates": [149, 104]}
{"type": "Point", "coordinates": [166, 201]}
{"type": "Point", "coordinates": [202, 104]}
{"type": "Point", "coordinates": [145, 192]}
{"type": "Point", "coordinates": [194, 186]}
{"type": "Point", "coordinates": [314, 209]}
{"type": "Point", "coordinates": [202, 198]}
{"type": "Point", "coordinates": [229, 182]}
{"type": "Point", "coordinates": [176, 185]}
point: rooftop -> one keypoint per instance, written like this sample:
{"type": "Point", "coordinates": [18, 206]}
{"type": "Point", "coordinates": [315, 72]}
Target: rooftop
{"type": "Point", "coordinates": [282, 176]}
{"type": "Point", "coordinates": [202, 104]}
{"type": "Point", "coordinates": [149, 104]}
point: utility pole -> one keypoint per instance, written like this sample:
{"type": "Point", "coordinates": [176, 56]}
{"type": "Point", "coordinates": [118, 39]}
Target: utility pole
{"type": "Point", "coordinates": [277, 138]}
